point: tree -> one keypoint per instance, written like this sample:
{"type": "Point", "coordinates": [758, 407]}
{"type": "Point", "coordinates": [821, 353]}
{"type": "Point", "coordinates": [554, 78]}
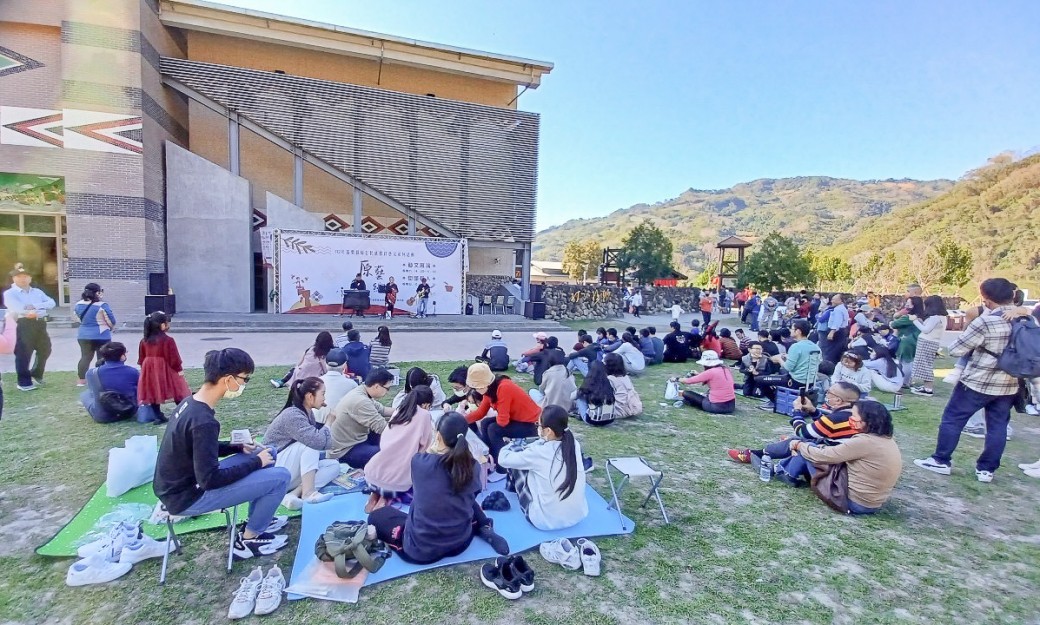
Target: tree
{"type": "Point", "coordinates": [646, 252]}
{"type": "Point", "coordinates": [832, 272]}
{"type": "Point", "coordinates": [775, 264]}
{"type": "Point", "coordinates": [705, 277]}
{"type": "Point", "coordinates": [943, 264]}
{"type": "Point", "coordinates": [956, 261]}
{"type": "Point", "coordinates": [581, 260]}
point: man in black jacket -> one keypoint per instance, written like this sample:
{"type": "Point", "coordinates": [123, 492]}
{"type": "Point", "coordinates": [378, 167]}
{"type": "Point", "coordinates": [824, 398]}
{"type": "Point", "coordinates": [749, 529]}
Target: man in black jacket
{"type": "Point", "coordinates": [677, 344]}
{"type": "Point", "coordinates": [579, 360]}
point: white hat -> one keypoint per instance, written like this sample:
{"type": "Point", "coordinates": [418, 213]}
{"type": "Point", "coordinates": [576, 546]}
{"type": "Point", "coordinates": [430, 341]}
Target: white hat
{"type": "Point", "coordinates": [496, 334]}
{"type": "Point", "coordinates": [541, 336]}
{"type": "Point", "coordinates": [710, 358]}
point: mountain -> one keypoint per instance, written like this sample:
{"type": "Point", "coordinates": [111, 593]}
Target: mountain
{"type": "Point", "coordinates": [994, 210]}
{"type": "Point", "coordinates": [811, 209]}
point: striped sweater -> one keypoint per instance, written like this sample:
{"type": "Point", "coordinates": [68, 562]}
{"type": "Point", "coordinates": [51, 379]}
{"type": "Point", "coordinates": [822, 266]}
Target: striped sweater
{"type": "Point", "coordinates": [827, 427]}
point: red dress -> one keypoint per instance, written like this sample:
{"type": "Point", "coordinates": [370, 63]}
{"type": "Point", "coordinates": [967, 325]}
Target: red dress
{"type": "Point", "coordinates": [161, 379]}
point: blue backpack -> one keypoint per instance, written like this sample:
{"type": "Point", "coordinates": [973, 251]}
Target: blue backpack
{"type": "Point", "coordinates": [1021, 358]}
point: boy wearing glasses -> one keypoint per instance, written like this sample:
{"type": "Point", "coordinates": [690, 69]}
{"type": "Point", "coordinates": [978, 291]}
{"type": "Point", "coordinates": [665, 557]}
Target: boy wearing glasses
{"type": "Point", "coordinates": [360, 419]}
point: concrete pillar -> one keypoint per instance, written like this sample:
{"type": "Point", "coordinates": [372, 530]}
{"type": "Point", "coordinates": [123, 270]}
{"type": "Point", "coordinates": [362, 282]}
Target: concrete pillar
{"type": "Point", "coordinates": [526, 280]}
{"type": "Point", "coordinates": [234, 147]}
{"type": "Point", "coordinates": [298, 177]}
{"type": "Point", "coordinates": [358, 213]}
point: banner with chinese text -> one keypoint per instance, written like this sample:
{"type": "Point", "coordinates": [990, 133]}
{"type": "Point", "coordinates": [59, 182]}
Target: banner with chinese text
{"type": "Point", "coordinates": [314, 268]}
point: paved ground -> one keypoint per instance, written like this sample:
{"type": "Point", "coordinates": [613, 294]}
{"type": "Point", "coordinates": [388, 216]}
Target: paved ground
{"type": "Point", "coordinates": [273, 348]}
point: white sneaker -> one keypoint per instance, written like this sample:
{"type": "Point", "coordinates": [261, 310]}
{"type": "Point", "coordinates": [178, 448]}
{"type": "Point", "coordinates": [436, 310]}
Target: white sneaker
{"type": "Point", "coordinates": [95, 570]}
{"type": "Point", "coordinates": [1032, 472]}
{"type": "Point", "coordinates": [590, 556]}
{"type": "Point", "coordinates": [271, 590]}
{"type": "Point", "coordinates": [561, 551]}
{"type": "Point", "coordinates": [245, 597]}
{"type": "Point", "coordinates": [110, 546]}
{"type": "Point", "coordinates": [141, 549]}
{"type": "Point", "coordinates": [983, 476]}
{"type": "Point", "coordinates": [292, 502]}
{"type": "Point", "coordinates": [1033, 409]}
{"type": "Point", "coordinates": [931, 465]}
{"type": "Point", "coordinates": [317, 497]}
{"type": "Point", "coordinates": [1027, 467]}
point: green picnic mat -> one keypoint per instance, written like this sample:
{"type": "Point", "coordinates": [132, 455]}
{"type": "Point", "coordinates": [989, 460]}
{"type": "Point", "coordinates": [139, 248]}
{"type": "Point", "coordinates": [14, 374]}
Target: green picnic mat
{"type": "Point", "coordinates": [102, 512]}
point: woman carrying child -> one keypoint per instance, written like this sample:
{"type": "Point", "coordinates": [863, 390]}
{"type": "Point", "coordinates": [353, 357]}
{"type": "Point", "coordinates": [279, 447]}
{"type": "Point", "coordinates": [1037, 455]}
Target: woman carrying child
{"type": "Point", "coordinates": [548, 474]}
{"type": "Point", "coordinates": [409, 431]}
{"type": "Point", "coordinates": [444, 515]}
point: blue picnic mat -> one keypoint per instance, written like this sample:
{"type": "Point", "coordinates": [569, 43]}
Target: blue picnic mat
{"type": "Point", "coordinates": [512, 525]}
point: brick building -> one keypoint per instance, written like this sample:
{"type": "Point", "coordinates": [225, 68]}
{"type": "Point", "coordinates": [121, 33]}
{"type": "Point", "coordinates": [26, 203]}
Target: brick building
{"type": "Point", "coordinates": [149, 136]}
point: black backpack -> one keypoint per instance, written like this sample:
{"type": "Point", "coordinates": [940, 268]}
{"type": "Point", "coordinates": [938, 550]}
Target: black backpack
{"type": "Point", "coordinates": [117, 404]}
{"type": "Point", "coordinates": [1021, 358]}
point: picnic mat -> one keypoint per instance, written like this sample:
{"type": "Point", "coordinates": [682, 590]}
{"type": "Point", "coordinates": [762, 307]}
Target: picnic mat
{"type": "Point", "coordinates": [313, 578]}
{"type": "Point", "coordinates": [102, 512]}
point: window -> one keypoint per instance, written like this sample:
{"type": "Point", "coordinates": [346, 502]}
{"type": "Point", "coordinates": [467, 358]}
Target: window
{"type": "Point", "coordinates": [9, 223]}
{"type": "Point", "coordinates": [41, 224]}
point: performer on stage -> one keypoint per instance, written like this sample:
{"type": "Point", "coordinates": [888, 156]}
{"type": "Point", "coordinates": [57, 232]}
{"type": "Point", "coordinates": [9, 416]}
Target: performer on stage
{"type": "Point", "coordinates": [29, 305]}
{"type": "Point", "coordinates": [391, 297]}
{"type": "Point", "coordinates": [422, 292]}
{"type": "Point", "coordinates": [358, 285]}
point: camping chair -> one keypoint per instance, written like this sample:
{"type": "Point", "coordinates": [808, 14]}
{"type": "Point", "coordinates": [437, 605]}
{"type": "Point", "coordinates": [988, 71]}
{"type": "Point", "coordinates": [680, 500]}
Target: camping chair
{"type": "Point", "coordinates": [486, 301]}
{"type": "Point", "coordinates": [511, 304]}
{"type": "Point", "coordinates": [230, 514]}
{"type": "Point", "coordinates": [500, 303]}
{"type": "Point", "coordinates": [631, 468]}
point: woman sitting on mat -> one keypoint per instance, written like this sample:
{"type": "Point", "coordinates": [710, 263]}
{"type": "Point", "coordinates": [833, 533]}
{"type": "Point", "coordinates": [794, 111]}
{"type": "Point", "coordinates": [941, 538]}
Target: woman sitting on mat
{"type": "Point", "coordinates": [595, 400]}
{"type": "Point", "coordinates": [418, 377]}
{"type": "Point", "coordinates": [389, 472]}
{"type": "Point", "coordinates": [626, 400]}
{"type": "Point", "coordinates": [300, 440]}
{"type": "Point", "coordinates": [444, 515]}
{"type": "Point", "coordinates": [516, 413]}
{"type": "Point", "coordinates": [721, 398]}
{"type": "Point", "coordinates": [886, 374]}
{"type": "Point", "coordinates": [557, 387]}
{"type": "Point", "coordinates": [871, 456]}
{"type": "Point", "coordinates": [191, 480]}
{"type": "Point", "coordinates": [548, 474]}
{"type": "Point", "coordinates": [628, 349]}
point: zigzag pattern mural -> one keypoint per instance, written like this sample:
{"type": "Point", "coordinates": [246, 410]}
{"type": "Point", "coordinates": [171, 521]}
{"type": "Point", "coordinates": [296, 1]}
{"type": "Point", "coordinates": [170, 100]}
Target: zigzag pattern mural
{"type": "Point", "coordinates": [71, 129]}
{"type": "Point", "coordinates": [11, 62]}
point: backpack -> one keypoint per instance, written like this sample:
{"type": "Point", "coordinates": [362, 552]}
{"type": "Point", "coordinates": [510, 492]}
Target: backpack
{"type": "Point", "coordinates": [1021, 358]}
{"type": "Point", "coordinates": [117, 404]}
{"type": "Point", "coordinates": [346, 542]}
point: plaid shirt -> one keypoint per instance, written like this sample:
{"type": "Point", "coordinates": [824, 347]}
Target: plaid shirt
{"type": "Point", "coordinates": [985, 338]}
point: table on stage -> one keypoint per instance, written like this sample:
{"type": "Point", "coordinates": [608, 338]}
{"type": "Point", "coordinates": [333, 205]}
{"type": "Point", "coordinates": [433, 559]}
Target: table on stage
{"type": "Point", "coordinates": [356, 301]}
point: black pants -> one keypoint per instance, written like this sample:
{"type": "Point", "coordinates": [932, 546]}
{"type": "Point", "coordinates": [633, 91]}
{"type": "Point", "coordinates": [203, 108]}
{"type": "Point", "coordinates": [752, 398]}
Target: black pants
{"type": "Point", "coordinates": [833, 348]}
{"type": "Point", "coordinates": [635, 310]}
{"type": "Point", "coordinates": [88, 350]}
{"type": "Point", "coordinates": [359, 455]}
{"type": "Point", "coordinates": [701, 402]}
{"type": "Point", "coordinates": [390, 524]}
{"type": "Point", "coordinates": [706, 315]}
{"type": "Point", "coordinates": [31, 337]}
{"type": "Point", "coordinates": [494, 434]}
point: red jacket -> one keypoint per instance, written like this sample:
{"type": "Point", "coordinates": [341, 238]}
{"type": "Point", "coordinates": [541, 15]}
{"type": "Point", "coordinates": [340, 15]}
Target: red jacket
{"type": "Point", "coordinates": [512, 405]}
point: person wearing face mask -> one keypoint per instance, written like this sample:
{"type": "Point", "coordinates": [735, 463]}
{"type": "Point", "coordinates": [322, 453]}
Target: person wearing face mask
{"type": "Point", "coordinates": [870, 455]}
{"type": "Point", "coordinates": [191, 479]}
{"type": "Point", "coordinates": [300, 440]}
{"type": "Point", "coordinates": [457, 380]}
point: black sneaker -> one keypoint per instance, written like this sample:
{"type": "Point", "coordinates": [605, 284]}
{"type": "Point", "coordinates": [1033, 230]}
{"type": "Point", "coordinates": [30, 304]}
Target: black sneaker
{"type": "Point", "coordinates": [277, 523]}
{"type": "Point", "coordinates": [522, 572]}
{"type": "Point", "coordinates": [502, 580]}
{"type": "Point", "coordinates": [261, 545]}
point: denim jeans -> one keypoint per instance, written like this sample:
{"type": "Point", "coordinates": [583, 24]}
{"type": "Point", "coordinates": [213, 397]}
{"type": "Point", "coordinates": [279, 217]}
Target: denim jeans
{"type": "Point", "coordinates": [581, 365]}
{"type": "Point", "coordinates": [856, 509]}
{"type": "Point", "coordinates": [421, 310]}
{"type": "Point", "coordinates": [359, 455]}
{"type": "Point", "coordinates": [963, 403]}
{"type": "Point", "coordinates": [263, 489]}
{"type": "Point", "coordinates": [493, 434]}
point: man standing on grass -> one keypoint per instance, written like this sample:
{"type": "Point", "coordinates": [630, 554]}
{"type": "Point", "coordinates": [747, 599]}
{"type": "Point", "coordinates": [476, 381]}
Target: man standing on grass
{"type": "Point", "coordinates": [982, 386]}
{"type": "Point", "coordinates": [836, 340]}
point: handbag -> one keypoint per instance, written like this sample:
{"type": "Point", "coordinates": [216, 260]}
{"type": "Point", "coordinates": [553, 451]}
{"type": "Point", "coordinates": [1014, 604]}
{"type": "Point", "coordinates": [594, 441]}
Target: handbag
{"type": "Point", "coordinates": [118, 404]}
{"type": "Point", "coordinates": [831, 484]}
{"type": "Point", "coordinates": [671, 391]}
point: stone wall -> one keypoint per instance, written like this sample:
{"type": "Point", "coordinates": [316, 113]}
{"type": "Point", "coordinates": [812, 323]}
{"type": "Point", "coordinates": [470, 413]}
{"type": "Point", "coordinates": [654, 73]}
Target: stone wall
{"type": "Point", "coordinates": [566, 301]}
{"type": "Point", "coordinates": [478, 285]}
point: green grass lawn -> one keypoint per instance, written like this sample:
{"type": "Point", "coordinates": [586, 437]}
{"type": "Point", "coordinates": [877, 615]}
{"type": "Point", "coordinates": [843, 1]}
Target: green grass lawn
{"type": "Point", "coordinates": [944, 550]}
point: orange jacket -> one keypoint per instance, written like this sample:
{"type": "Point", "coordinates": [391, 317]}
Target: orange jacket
{"type": "Point", "coordinates": [513, 405]}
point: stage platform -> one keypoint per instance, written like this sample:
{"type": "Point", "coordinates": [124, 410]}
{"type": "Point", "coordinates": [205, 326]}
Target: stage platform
{"type": "Point", "coordinates": [265, 322]}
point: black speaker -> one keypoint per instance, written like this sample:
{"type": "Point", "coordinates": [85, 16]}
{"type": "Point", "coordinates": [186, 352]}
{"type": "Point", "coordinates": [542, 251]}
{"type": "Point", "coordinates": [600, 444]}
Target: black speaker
{"type": "Point", "coordinates": [158, 284]}
{"type": "Point", "coordinates": [356, 299]}
{"type": "Point", "coordinates": [534, 310]}
{"type": "Point", "coordinates": [165, 303]}
{"type": "Point", "coordinates": [536, 293]}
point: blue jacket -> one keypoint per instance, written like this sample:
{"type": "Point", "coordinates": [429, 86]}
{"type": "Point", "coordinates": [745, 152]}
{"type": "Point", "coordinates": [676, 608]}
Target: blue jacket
{"type": "Point", "coordinates": [90, 327]}
{"type": "Point", "coordinates": [111, 376]}
{"type": "Point", "coordinates": [358, 358]}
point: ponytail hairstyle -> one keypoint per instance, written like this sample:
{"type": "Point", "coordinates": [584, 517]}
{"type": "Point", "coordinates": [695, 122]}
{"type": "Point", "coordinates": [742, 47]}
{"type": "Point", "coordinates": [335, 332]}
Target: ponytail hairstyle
{"type": "Point", "coordinates": [457, 460]}
{"type": "Point", "coordinates": [631, 340]}
{"type": "Point", "coordinates": [323, 345]}
{"type": "Point", "coordinates": [300, 390]}
{"type": "Point", "coordinates": [418, 396]}
{"type": "Point", "coordinates": [91, 292]}
{"type": "Point", "coordinates": [416, 377]}
{"type": "Point", "coordinates": [153, 326]}
{"type": "Point", "coordinates": [555, 418]}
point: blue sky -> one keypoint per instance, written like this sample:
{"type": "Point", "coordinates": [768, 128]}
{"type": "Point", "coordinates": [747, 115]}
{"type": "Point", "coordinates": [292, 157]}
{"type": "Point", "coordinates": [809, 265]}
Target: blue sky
{"type": "Point", "coordinates": [648, 101]}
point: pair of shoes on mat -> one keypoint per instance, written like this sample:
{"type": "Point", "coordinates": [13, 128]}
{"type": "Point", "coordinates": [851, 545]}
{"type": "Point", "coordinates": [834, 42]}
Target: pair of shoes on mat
{"type": "Point", "coordinates": [258, 594]}
{"type": "Point", "coordinates": [292, 502]}
{"type": "Point", "coordinates": [113, 556]}
{"type": "Point", "coordinates": [510, 576]}
{"type": "Point", "coordinates": [573, 556]}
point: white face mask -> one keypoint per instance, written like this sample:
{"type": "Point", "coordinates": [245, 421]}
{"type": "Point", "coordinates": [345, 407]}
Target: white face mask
{"type": "Point", "coordinates": [460, 393]}
{"type": "Point", "coordinates": [230, 394]}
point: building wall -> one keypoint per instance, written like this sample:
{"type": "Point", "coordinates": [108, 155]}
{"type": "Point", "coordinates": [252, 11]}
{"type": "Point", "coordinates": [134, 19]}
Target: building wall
{"type": "Point", "coordinates": [225, 50]}
{"type": "Point", "coordinates": [490, 261]}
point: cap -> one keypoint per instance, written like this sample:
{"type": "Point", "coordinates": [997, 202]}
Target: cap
{"type": "Point", "coordinates": [336, 357]}
{"type": "Point", "coordinates": [19, 270]}
{"type": "Point", "coordinates": [541, 336]}
{"type": "Point", "coordinates": [496, 334]}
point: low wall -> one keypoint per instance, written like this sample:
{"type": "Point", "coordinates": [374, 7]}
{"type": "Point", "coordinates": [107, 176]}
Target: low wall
{"type": "Point", "coordinates": [478, 285]}
{"type": "Point", "coordinates": [567, 301]}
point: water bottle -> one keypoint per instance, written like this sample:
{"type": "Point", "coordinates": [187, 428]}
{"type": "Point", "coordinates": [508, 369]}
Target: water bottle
{"type": "Point", "coordinates": [765, 472]}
